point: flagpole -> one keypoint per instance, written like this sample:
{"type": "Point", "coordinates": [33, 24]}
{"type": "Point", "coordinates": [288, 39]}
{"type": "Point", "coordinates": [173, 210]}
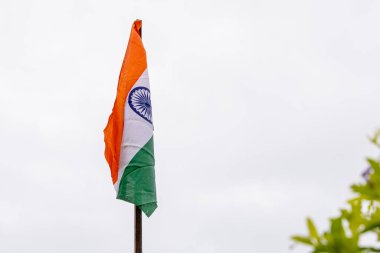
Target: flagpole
{"type": "Point", "coordinates": [138, 218]}
{"type": "Point", "coordinates": [138, 230]}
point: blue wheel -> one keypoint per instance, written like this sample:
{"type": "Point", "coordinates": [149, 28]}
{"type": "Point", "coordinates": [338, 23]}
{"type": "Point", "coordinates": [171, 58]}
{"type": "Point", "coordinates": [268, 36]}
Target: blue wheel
{"type": "Point", "coordinates": [139, 101]}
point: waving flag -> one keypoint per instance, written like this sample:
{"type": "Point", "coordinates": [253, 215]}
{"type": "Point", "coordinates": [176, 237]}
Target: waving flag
{"type": "Point", "coordinates": [128, 135]}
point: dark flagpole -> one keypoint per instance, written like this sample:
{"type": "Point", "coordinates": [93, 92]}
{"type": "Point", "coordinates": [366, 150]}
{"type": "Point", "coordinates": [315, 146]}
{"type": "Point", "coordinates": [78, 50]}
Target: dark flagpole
{"type": "Point", "coordinates": [138, 230]}
{"type": "Point", "coordinates": [138, 220]}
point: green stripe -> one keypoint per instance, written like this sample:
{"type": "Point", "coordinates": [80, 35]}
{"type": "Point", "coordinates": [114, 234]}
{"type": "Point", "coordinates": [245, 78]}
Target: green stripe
{"type": "Point", "coordinates": [137, 185]}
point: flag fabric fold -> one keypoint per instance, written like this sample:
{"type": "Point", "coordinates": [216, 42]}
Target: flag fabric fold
{"type": "Point", "coordinates": [128, 135]}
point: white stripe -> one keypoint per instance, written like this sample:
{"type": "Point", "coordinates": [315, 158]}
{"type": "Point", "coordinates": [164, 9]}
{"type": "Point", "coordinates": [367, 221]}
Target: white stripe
{"type": "Point", "coordinates": [136, 133]}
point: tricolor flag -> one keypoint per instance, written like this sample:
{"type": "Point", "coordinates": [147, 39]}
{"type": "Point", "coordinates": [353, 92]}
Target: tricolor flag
{"type": "Point", "coordinates": [128, 135]}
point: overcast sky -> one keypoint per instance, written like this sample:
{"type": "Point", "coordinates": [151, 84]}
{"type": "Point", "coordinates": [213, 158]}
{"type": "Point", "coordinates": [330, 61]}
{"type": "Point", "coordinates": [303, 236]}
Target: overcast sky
{"type": "Point", "coordinates": [261, 112]}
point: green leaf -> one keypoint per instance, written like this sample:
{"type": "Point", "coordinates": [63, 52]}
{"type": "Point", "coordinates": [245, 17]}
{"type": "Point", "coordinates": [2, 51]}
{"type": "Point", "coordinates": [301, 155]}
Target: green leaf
{"type": "Point", "coordinates": [302, 239]}
{"type": "Point", "coordinates": [312, 230]}
{"type": "Point", "coordinates": [369, 249]}
{"type": "Point", "coordinates": [337, 227]}
{"type": "Point", "coordinates": [371, 226]}
{"type": "Point", "coordinates": [375, 138]}
{"type": "Point", "coordinates": [375, 165]}
{"type": "Point", "coordinates": [365, 191]}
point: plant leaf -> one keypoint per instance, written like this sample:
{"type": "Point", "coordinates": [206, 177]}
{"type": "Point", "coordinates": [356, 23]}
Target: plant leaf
{"type": "Point", "coordinates": [312, 230]}
{"type": "Point", "coordinates": [302, 239]}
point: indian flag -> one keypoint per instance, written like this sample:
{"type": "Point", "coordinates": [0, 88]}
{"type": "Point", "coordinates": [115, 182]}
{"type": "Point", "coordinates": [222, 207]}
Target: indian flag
{"type": "Point", "coordinates": [128, 135]}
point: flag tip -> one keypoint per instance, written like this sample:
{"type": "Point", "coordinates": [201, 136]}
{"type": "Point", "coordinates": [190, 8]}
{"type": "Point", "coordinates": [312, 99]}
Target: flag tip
{"type": "Point", "coordinates": [137, 25]}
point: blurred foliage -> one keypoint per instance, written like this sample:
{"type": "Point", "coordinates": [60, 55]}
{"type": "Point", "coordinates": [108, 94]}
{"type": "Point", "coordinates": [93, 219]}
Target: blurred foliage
{"type": "Point", "coordinates": [360, 218]}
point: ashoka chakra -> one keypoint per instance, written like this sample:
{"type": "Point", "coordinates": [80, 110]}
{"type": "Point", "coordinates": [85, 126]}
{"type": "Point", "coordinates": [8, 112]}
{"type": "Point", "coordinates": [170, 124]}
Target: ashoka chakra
{"type": "Point", "coordinates": [139, 101]}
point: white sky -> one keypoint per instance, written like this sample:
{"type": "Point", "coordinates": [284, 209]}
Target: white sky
{"type": "Point", "coordinates": [261, 112]}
